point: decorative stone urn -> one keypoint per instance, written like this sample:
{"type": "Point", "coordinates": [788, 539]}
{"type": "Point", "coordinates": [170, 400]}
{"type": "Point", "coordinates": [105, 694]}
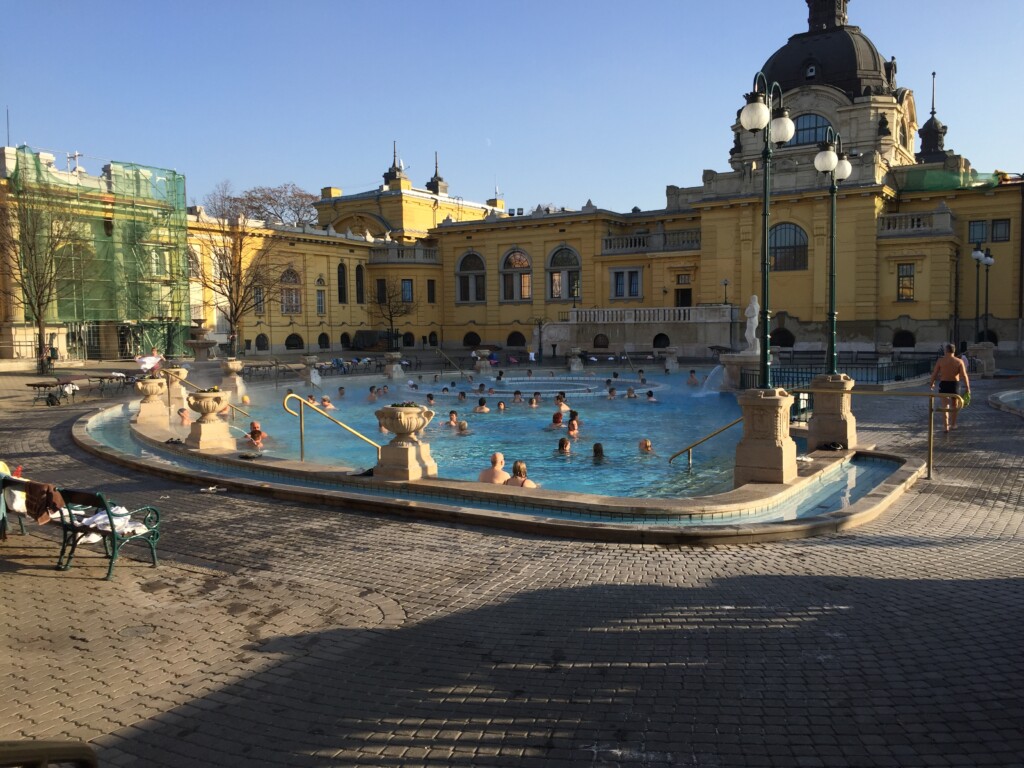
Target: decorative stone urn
{"type": "Point", "coordinates": [483, 364]}
{"type": "Point", "coordinates": [393, 365]}
{"type": "Point", "coordinates": [669, 357]}
{"type": "Point", "coordinates": [209, 433]}
{"type": "Point", "coordinates": [405, 457]}
{"type": "Point", "coordinates": [310, 360]}
{"type": "Point", "coordinates": [153, 409]}
{"type": "Point", "coordinates": [575, 360]}
{"type": "Point", "coordinates": [231, 380]}
{"type": "Point", "coordinates": [174, 377]}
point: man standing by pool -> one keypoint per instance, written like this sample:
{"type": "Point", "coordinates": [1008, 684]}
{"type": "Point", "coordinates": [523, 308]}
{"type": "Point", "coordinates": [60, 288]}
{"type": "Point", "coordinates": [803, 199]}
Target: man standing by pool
{"type": "Point", "coordinates": [495, 474]}
{"type": "Point", "coordinates": [948, 371]}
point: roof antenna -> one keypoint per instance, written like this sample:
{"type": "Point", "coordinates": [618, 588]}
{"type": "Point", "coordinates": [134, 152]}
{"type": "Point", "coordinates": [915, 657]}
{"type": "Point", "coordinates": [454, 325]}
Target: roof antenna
{"type": "Point", "coordinates": [933, 94]}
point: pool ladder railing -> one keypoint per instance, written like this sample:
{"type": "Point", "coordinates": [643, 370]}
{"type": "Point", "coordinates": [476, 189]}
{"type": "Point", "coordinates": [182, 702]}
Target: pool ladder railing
{"type": "Point", "coordinates": [688, 450]}
{"type": "Point", "coordinates": [303, 405]}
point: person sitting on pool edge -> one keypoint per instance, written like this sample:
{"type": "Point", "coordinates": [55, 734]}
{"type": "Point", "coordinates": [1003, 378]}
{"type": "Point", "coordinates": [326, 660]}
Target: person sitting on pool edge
{"type": "Point", "coordinates": [519, 477]}
{"type": "Point", "coordinates": [495, 474]}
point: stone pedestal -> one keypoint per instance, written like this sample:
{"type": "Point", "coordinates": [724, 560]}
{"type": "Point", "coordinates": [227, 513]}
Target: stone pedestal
{"type": "Point", "coordinates": [670, 359]}
{"type": "Point", "coordinates": [231, 380]}
{"type": "Point", "coordinates": [884, 351]}
{"type": "Point", "coordinates": [833, 420]}
{"type": "Point", "coordinates": [405, 457]}
{"type": "Point", "coordinates": [153, 409]}
{"type": "Point", "coordinates": [483, 364]}
{"type": "Point", "coordinates": [733, 363]}
{"type": "Point", "coordinates": [210, 432]}
{"type": "Point", "coordinates": [175, 389]}
{"type": "Point", "coordinates": [766, 454]}
{"type": "Point", "coordinates": [985, 352]}
{"type": "Point", "coordinates": [393, 365]}
{"type": "Point", "coordinates": [575, 360]}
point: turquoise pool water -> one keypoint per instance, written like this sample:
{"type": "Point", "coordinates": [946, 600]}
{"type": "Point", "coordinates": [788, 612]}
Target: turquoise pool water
{"type": "Point", "coordinates": [835, 490]}
{"type": "Point", "coordinates": [678, 416]}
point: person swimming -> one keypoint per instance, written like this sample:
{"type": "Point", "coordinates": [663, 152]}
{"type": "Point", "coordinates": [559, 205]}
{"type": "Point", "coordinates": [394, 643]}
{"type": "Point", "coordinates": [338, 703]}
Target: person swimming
{"type": "Point", "coordinates": [564, 446]}
{"type": "Point", "coordinates": [556, 421]}
{"type": "Point", "coordinates": [519, 477]}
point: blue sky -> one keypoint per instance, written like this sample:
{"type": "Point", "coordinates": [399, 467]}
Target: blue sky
{"type": "Point", "coordinates": [556, 102]}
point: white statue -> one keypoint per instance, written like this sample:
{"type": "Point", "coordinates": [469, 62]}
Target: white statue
{"type": "Point", "coordinates": [752, 312]}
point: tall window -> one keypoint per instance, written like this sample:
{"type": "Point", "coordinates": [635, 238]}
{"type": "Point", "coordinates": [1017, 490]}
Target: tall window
{"type": "Point", "coordinates": [291, 297]}
{"type": "Point", "coordinates": [470, 278]}
{"type": "Point", "coordinates": [342, 285]}
{"type": "Point", "coordinates": [516, 277]}
{"type": "Point", "coordinates": [407, 291]}
{"type": "Point", "coordinates": [810, 129]}
{"type": "Point", "coordinates": [626, 284]}
{"type": "Point", "coordinates": [382, 291]}
{"type": "Point", "coordinates": [977, 232]}
{"type": "Point", "coordinates": [360, 285]}
{"type": "Point", "coordinates": [904, 282]}
{"type": "Point", "coordinates": [563, 274]}
{"type": "Point", "coordinates": [321, 301]}
{"type": "Point", "coordinates": [787, 248]}
{"type": "Point", "coordinates": [258, 303]}
{"type": "Point", "coordinates": [431, 291]}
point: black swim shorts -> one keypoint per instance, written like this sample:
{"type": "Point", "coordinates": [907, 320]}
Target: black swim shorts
{"type": "Point", "coordinates": [949, 387]}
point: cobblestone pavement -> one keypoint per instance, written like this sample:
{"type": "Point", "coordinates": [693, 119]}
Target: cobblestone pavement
{"type": "Point", "coordinates": [277, 634]}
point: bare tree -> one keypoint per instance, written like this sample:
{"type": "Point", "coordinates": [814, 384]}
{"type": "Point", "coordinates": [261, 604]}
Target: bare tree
{"type": "Point", "coordinates": [389, 304]}
{"type": "Point", "coordinates": [237, 263]}
{"type": "Point", "coordinates": [42, 250]}
{"type": "Point", "coordinates": [284, 204]}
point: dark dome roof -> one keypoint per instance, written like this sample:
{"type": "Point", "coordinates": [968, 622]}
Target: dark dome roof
{"type": "Point", "coordinates": [841, 57]}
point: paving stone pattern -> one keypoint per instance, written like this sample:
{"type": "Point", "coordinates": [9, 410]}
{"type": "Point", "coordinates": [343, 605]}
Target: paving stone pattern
{"type": "Point", "coordinates": [279, 634]}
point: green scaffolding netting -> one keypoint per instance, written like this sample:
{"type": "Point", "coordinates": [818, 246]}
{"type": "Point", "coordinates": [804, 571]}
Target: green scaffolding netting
{"type": "Point", "coordinates": [128, 268]}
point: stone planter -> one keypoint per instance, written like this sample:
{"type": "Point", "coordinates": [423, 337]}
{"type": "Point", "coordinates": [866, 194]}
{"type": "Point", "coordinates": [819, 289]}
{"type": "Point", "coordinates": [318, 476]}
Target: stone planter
{"type": "Point", "coordinates": [393, 365]}
{"type": "Point", "coordinates": [404, 421]}
{"type": "Point", "coordinates": [405, 457]}
{"type": "Point", "coordinates": [231, 366]}
{"type": "Point", "coordinates": [152, 389]}
{"type": "Point", "coordinates": [309, 360]}
{"type": "Point", "coordinates": [207, 404]}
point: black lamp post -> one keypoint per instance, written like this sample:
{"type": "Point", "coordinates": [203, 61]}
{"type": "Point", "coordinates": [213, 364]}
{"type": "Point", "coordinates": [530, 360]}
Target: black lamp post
{"type": "Point", "coordinates": [725, 289]}
{"type": "Point", "coordinates": [838, 167]}
{"type": "Point", "coordinates": [762, 114]}
{"type": "Point", "coordinates": [981, 257]}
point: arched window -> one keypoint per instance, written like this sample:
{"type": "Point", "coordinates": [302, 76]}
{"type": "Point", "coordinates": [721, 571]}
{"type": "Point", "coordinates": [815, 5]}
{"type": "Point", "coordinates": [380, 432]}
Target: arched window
{"type": "Point", "coordinates": [323, 341]}
{"type": "Point", "coordinates": [787, 248]}
{"type": "Point", "coordinates": [360, 285]}
{"type": "Point", "coordinates": [471, 340]}
{"type": "Point", "coordinates": [904, 339]}
{"type": "Point", "coordinates": [345, 341]}
{"type": "Point", "coordinates": [262, 342]}
{"type": "Point", "coordinates": [432, 339]}
{"type": "Point", "coordinates": [408, 340]}
{"type": "Point", "coordinates": [342, 285]}
{"type": "Point", "coordinates": [470, 278]}
{"type": "Point", "coordinates": [600, 341]}
{"type": "Point", "coordinates": [661, 341]}
{"type": "Point", "coordinates": [563, 274]}
{"type": "Point", "coordinates": [515, 339]}
{"type": "Point", "coordinates": [516, 277]}
{"type": "Point", "coordinates": [810, 129]}
{"type": "Point", "coordinates": [782, 337]}
{"type": "Point", "coordinates": [294, 341]}
{"type": "Point", "coordinates": [291, 297]}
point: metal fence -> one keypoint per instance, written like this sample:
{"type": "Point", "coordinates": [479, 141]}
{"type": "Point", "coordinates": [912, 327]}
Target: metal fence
{"type": "Point", "coordinates": [794, 376]}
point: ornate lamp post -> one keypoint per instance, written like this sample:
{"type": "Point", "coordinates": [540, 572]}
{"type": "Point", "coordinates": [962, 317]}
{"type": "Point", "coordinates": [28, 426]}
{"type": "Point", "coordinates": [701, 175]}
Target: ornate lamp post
{"type": "Point", "coordinates": [837, 166]}
{"type": "Point", "coordinates": [762, 114]}
{"type": "Point", "coordinates": [981, 257]}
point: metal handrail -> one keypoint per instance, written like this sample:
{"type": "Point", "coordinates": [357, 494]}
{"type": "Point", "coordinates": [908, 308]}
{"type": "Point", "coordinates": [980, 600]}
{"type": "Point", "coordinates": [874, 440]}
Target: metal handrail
{"type": "Point", "coordinates": [303, 404]}
{"type": "Point", "coordinates": [932, 410]}
{"type": "Point", "coordinates": [196, 387]}
{"type": "Point", "coordinates": [689, 449]}
{"type": "Point", "coordinates": [455, 365]}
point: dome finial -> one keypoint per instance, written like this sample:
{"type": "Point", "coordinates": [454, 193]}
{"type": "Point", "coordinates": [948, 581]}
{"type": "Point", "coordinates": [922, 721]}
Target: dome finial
{"type": "Point", "coordinates": [825, 14]}
{"type": "Point", "coordinates": [933, 94]}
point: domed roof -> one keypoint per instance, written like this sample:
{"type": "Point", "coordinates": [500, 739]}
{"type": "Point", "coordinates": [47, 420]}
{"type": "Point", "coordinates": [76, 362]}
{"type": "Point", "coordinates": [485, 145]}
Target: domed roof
{"type": "Point", "coordinates": [831, 53]}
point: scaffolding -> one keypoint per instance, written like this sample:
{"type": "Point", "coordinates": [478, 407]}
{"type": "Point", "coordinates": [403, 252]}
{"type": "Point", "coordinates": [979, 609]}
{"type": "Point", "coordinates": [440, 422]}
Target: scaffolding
{"type": "Point", "coordinates": [125, 287]}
